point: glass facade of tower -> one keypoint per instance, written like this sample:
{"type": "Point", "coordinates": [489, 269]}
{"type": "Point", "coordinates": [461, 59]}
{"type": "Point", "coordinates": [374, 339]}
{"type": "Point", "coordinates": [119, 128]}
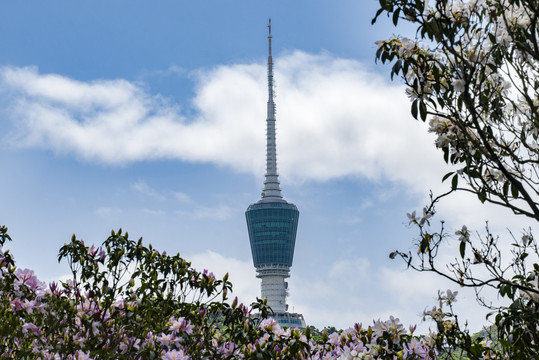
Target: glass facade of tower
{"type": "Point", "coordinates": [272, 232]}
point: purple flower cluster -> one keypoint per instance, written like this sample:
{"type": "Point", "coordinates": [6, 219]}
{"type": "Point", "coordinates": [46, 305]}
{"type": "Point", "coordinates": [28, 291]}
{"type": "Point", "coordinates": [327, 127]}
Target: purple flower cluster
{"type": "Point", "coordinates": [95, 315]}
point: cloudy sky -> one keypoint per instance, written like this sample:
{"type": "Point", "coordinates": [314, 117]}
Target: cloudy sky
{"type": "Point", "coordinates": [152, 118]}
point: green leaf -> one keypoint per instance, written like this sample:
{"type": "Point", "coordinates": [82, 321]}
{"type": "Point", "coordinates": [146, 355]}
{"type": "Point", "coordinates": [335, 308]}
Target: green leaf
{"type": "Point", "coordinates": [505, 188]}
{"type": "Point", "coordinates": [514, 191]}
{"type": "Point", "coordinates": [440, 326]}
{"type": "Point", "coordinates": [447, 176]}
{"type": "Point", "coordinates": [396, 67]}
{"type": "Point", "coordinates": [502, 292]}
{"type": "Point", "coordinates": [379, 52]}
{"type": "Point", "coordinates": [446, 154]}
{"type": "Point", "coordinates": [396, 17]}
{"type": "Point", "coordinates": [384, 57]}
{"type": "Point", "coordinates": [419, 5]}
{"type": "Point", "coordinates": [376, 16]}
{"type": "Point", "coordinates": [482, 196]}
{"type": "Point", "coordinates": [455, 181]}
{"type": "Point", "coordinates": [424, 246]}
{"type": "Point", "coordinates": [423, 110]}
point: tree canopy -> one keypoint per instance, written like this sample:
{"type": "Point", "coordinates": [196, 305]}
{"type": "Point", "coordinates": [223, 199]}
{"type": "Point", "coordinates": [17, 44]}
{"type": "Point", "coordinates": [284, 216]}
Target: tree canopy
{"type": "Point", "coordinates": [472, 73]}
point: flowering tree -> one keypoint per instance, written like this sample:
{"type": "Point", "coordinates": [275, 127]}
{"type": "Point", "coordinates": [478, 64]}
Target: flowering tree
{"type": "Point", "coordinates": [123, 300]}
{"type": "Point", "coordinates": [472, 72]}
{"type": "Point", "coordinates": [129, 301]}
{"type": "Point", "coordinates": [126, 300]}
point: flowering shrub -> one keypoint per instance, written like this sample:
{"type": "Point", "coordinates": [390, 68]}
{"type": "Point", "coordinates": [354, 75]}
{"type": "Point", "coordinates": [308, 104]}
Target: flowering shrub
{"type": "Point", "coordinates": [125, 300]}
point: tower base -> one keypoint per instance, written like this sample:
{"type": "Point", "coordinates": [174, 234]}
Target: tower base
{"type": "Point", "coordinates": [290, 320]}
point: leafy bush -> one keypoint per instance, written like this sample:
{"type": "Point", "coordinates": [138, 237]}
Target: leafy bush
{"type": "Point", "coordinates": [126, 300]}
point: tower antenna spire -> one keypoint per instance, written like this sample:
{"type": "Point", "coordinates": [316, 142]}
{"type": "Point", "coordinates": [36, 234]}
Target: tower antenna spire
{"type": "Point", "coordinates": [272, 187]}
{"type": "Point", "coordinates": [269, 35]}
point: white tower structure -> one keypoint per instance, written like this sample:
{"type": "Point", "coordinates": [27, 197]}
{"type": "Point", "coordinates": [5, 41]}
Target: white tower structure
{"type": "Point", "coordinates": [272, 224]}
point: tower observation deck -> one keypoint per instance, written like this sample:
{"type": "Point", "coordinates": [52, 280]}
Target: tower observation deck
{"type": "Point", "coordinates": [272, 223]}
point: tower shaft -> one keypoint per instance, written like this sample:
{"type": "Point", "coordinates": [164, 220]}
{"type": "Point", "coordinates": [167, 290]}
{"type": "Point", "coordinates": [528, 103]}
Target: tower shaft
{"type": "Point", "coordinates": [275, 288]}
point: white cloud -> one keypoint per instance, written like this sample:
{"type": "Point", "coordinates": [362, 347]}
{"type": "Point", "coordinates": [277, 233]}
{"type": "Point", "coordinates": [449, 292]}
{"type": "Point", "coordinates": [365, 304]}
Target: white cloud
{"type": "Point", "coordinates": [108, 211]}
{"type": "Point", "coordinates": [218, 212]}
{"type": "Point", "coordinates": [221, 212]}
{"type": "Point", "coordinates": [355, 290]}
{"type": "Point", "coordinates": [356, 215]}
{"type": "Point", "coordinates": [152, 212]}
{"type": "Point", "coordinates": [349, 291]}
{"type": "Point", "coordinates": [343, 268]}
{"type": "Point", "coordinates": [335, 119]}
{"type": "Point", "coordinates": [171, 70]}
{"type": "Point", "coordinates": [143, 188]}
{"type": "Point", "coordinates": [182, 197]}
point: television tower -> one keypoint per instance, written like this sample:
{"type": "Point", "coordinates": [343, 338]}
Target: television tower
{"type": "Point", "coordinates": [272, 223]}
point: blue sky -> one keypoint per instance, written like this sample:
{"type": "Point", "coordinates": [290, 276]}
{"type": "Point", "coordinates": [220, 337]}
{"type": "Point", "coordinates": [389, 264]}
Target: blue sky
{"type": "Point", "coordinates": [152, 117]}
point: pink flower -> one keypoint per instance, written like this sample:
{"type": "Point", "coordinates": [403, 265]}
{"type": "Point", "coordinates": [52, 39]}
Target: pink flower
{"type": "Point", "coordinates": [164, 339]}
{"type": "Point", "coordinates": [28, 278]}
{"type": "Point", "coordinates": [267, 324]}
{"type": "Point", "coordinates": [29, 306]}
{"type": "Point", "coordinates": [228, 349]}
{"type": "Point", "coordinates": [81, 355]}
{"type": "Point", "coordinates": [16, 303]}
{"type": "Point", "coordinates": [98, 253]}
{"type": "Point", "coordinates": [208, 274]}
{"type": "Point", "coordinates": [335, 339]}
{"type": "Point", "coordinates": [175, 325]}
{"type": "Point", "coordinates": [55, 289]}
{"type": "Point", "coordinates": [123, 347]}
{"type": "Point", "coordinates": [417, 348]}
{"type": "Point", "coordinates": [181, 324]}
{"type": "Point", "coordinates": [175, 355]}
{"type": "Point", "coordinates": [32, 327]}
